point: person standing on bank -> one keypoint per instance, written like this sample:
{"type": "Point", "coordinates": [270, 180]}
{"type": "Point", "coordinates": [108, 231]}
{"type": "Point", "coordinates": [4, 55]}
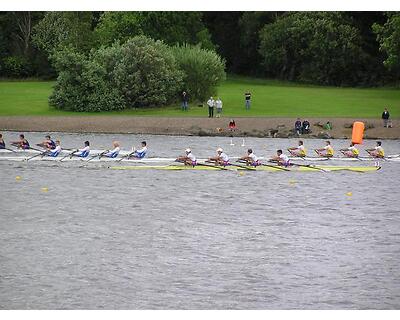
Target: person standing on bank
{"type": "Point", "coordinates": [211, 104]}
{"type": "Point", "coordinates": [218, 106]}
{"type": "Point", "coordinates": [385, 118]}
{"type": "Point", "coordinates": [185, 101]}
{"type": "Point", "coordinates": [247, 98]}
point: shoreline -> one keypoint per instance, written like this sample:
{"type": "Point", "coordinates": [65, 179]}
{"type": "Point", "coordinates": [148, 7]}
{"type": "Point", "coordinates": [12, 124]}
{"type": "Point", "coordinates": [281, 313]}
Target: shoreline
{"type": "Point", "coordinates": [193, 126]}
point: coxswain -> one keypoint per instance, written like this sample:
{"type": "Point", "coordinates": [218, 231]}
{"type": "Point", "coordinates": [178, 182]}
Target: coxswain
{"type": "Point", "coordinates": [281, 159]}
{"type": "Point", "coordinates": [250, 158]}
{"type": "Point", "coordinates": [83, 153]}
{"type": "Point", "coordinates": [378, 151]}
{"type": "Point", "coordinates": [326, 151]}
{"type": "Point", "coordinates": [22, 143]}
{"type": "Point", "coordinates": [2, 143]}
{"type": "Point", "coordinates": [115, 151]}
{"type": "Point", "coordinates": [351, 152]}
{"type": "Point", "coordinates": [188, 159]}
{"type": "Point", "coordinates": [47, 143]}
{"type": "Point", "coordinates": [54, 152]}
{"type": "Point", "coordinates": [140, 153]}
{"type": "Point", "coordinates": [221, 158]}
{"type": "Point", "coordinates": [299, 151]}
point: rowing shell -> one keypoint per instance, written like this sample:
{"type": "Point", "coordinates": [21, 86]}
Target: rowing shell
{"type": "Point", "coordinates": [259, 168]}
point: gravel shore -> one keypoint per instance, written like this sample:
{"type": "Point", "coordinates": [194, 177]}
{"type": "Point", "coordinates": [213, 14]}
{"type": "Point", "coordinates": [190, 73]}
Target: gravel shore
{"type": "Point", "coordinates": [258, 127]}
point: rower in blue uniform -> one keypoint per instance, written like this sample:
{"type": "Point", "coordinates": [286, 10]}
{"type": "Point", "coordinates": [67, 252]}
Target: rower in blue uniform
{"type": "Point", "coordinates": [83, 153]}
{"type": "Point", "coordinates": [2, 143]}
{"type": "Point", "coordinates": [55, 151]}
{"type": "Point", "coordinates": [114, 152]}
{"type": "Point", "coordinates": [22, 143]}
{"type": "Point", "coordinates": [140, 153]}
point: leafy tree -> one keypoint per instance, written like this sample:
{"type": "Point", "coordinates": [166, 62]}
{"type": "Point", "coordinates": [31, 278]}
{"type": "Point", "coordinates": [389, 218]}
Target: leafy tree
{"type": "Point", "coordinates": [170, 27]}
{"type": "Point", "coordinates": [388, 36]}
{"type": "Point", "coordinates": [58, 30]}
{"type": "Point", "coordinates": [319, 47]}
{"type": "Point", "coordinates": [203, 70]}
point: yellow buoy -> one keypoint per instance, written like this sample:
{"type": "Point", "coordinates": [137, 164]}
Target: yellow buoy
{"type": "Point", "coordinates": [349, 194]}
{"type": "Point", "coordinates": [44, 189]}
{"type": "Point", "coordinates": [241, 173]}
{"type": "Point", "coordinates": [292, 181]}
{"type": "Point", "coordinates": [18, 178]}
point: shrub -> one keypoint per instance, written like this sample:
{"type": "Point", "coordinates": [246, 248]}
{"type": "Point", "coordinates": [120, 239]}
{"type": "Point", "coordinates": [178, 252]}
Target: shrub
{"type": "Point", "coordinates": [203, 70]}
{"type": "Point", "coordinates": [17, 67]}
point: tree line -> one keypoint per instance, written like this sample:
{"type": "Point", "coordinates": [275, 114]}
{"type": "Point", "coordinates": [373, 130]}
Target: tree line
{"type": "Point", "coordinates": [328, 48]}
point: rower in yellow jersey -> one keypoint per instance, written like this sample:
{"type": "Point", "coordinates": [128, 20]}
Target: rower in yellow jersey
{"type": "Point", "coordinates": [326, 151]}
{"type": "Point", "coordinates": [299, 151]}
{"type": "Point", "coordinates": [351, 152]}
{"type": "Point", "coordinates": [377, 152]}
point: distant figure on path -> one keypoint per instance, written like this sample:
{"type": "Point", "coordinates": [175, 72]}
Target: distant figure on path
{"type": "Point", "coordinates": [385, 118]}
{"type": "Point", "coordinates": [297, 126]}
{"type": "Point", "coordinates": [218, 106]}
{"type": "Point", "coordinates": [232, 125]}
{"type": "Point", "coordinates": [328, 125]}
{"type": "Point", "coordinates": [211, 104]}
{"type": "Point", "coordinates": [306, 127]}
{"type": "Point", "coordinates": [247, 98]}
{"type": "Point", "coordinates": [185, 101]}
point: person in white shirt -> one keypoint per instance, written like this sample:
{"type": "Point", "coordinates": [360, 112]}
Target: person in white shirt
{"type": "Point", "coordinates": [377, 152]}
{"type": "Point", "coordinates": [140, 153]}
{"type": "Point", "coordinates": [55, 151]}
{"type": "Point", "coordinates": [221, 158]}
{"type": "Point", "coordinates": [189, 159]}
{"type": "Point", "coordinates": [251, 158]}
{"type": "Point", "coordinates": [211, 104]}
{"type": "Point", "coordinates": [83, 153]}
{"type": "Point", "coordinates": [351, 152]}
{"type": "Point", "coordinates": [281, 158]}
{"type": "Point", "coordinates": [114, 152]}
{"type": "Point", "coordinates": [218, 106]}
{"type": "Point", "coordinates": [299, 151]}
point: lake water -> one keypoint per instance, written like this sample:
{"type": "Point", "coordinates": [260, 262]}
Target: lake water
{"type": "Point", "coordinates": [96, 238]}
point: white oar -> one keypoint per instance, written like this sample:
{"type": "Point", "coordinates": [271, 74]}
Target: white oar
{"type": "Point", "coordinates": [37, 155]}
{"type": "Point", "coordinates": [69, 155]}
{"type": "Point", "coordinates": [98, 155]}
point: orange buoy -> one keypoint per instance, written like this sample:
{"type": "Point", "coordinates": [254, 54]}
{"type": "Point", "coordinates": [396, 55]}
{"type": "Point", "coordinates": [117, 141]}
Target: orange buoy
{"type": "Point", "coordinates": [358, 132]}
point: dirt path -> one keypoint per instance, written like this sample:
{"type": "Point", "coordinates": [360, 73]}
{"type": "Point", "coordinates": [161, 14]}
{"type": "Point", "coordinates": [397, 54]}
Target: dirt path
{"type": "Point", "coordinates": [260, 127]}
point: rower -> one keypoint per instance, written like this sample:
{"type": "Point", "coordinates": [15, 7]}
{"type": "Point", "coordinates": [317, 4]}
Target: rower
{"type": "Point", "coordinates": [141, 153]}
{"type": "Point", "coordinates": [282, 159]}
{"type": "Point", "coordinates": [351, 152]}
{"type": "Point", "coordinates": [221, 158]}
{"type": "Point", "coordinates": [299, 151]}
{"type": "Point", "coordinates": [189, 159]}
{"type": "Point", "coordinates": [55, 151]}
{"type": "Point", "coordinates": [47, 143]}
{"type": "Point", "coordinates": [251, 159]}
{"type": "Point", "coordinates": [378, 151]}
{"type": "Point", "coordinates": [326, 151]}
{"type": "Point", "coordinates": [83, 153]}
{"type": "Point", "coordinates": [115, 151]}
{"type": "Point", "coordinates": [2, 143]}
{"type": "Point", "coordinates": [22, 143]}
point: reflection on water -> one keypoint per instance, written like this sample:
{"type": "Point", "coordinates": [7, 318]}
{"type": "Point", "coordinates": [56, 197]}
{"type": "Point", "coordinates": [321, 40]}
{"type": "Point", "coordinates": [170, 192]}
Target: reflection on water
{"type": "Point", "coordinates": [198, 240]}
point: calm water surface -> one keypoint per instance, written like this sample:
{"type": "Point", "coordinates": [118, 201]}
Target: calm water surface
{"type": "Point", "coordinates": [104, 239]}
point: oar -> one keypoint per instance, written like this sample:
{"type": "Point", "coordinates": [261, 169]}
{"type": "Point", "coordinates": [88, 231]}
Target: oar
{"type": "Point", "coordinates": [275, 167]}
{"type": "Point", "coordinates": [126, 156]}
{"type": "Point", "coordinates": [37, 155]}
{"type": "Point", "coordinates": [296, 156]}
{"type": "Point", "coordinates": [17, 145]}
{"type": "Point", "coordinates": [9, 149]}
{"type": "Point", "coordinates": [69, 155]}
{"type": "Point", "coordinates": [98, 155]}
{"type": "Point", "coordinates": [310, 166]}
{"type": "Point", "coordinates": [213, 166]}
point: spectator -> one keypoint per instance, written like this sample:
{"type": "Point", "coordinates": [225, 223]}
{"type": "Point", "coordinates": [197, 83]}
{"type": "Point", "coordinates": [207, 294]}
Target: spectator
{"type": "Point", "coordinates": [218, 106]}
{"type": "Point", "coordinates": [328, 125]}
{"type": "Point", "coordinates": [385, 117]}
{"type": "Point", "coordinates": [247, 97]}
{"type": "Point", "coordinates": [211, 104]}
{"type": "Point", "coordinates": [306, 127]}
{"type": "Point", "coordinates": [232, 125]}
{"type": "Point", "coordinates": [297, 126]}
{"type": "Point", "coordinates": [185, 101]}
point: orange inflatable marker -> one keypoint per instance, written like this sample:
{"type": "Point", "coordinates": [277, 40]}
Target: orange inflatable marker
{"type": "Point", "coordinates": [358, 132]}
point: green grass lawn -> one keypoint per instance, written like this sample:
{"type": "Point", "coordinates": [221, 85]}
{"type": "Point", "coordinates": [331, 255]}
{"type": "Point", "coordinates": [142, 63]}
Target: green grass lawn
{"type": "Point", "coordinates": [269, 98]}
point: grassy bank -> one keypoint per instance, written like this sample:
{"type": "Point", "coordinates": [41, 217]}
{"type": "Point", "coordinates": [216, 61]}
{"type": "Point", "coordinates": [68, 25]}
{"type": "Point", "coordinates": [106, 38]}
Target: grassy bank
{"type": "Point", "coordinates": [270, 99]}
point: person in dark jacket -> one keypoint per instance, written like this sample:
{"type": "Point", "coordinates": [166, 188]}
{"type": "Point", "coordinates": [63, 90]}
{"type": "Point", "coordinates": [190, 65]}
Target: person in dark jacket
{"type": "Point", "coordinates": [385, 118]}
{"type": "Point", "coordinates": [306, 127]}
{"type": "Point", "coordinates": [185, 101]}
{"type": "Point", "coordinates": [297, 126]}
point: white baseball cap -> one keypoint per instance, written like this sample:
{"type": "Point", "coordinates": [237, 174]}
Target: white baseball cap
{"type": "Point", "coordinates": [188, 150]}
{"type": "Point", "coordinates": [219, 150]}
